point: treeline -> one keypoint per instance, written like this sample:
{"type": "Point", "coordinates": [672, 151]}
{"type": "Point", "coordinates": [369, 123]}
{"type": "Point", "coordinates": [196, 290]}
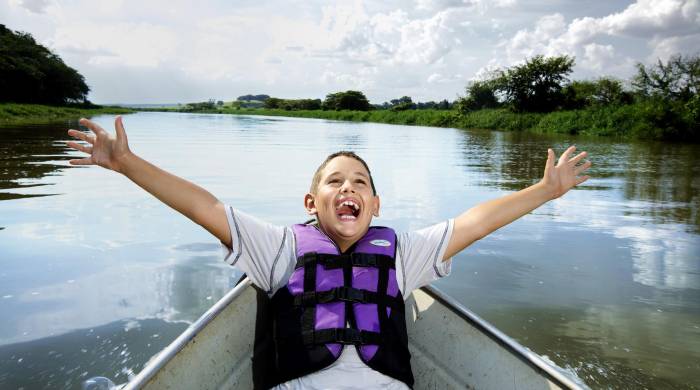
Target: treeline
{"type": "Point", "coordinates": [662, 100]}
{"type": "Point", "coordinates": [352, 100]}
{"type": "Point", "coordinates": [31, 73]}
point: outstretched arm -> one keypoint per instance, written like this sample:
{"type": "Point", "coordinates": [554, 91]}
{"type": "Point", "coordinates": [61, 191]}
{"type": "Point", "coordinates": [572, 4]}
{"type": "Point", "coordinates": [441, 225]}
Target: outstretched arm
{"type": "Point", "coordinates": [112, 152]}
{"type": "Point", "coordinates": [483, 219]}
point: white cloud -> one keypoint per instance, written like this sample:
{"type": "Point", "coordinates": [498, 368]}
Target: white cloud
{"type": "Point", "coordinates": [438, 78]}
{"type": "Point", "coordinates": [425, 48]}
{"type": "Point", "coordinates": [395, 38]}
{"type": "Point", "coordinates": [542, 40]}
{"type": "Point", "coordinates": [362, 79]}
{"type": "Point", "coordinates": [666, 47]}
{"type": "Point", "coordinates": [443, 4]}
{"type": "Point", "coordinates": [598, 57]}
{"type": "Point", "coordinates": [665, 24]}
{"type": "Point", "coordinates": [127, 44]}
{"type": "Point", "coordinates": [36, 6]}
{"type": "Point", "coordinates": [482, 5]}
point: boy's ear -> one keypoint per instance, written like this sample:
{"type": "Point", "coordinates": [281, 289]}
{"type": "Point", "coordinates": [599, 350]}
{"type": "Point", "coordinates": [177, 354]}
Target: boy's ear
{"type": "Point", "coordinates": [310, 204]}
{"type": "Point", "coordinates": [375, 206]}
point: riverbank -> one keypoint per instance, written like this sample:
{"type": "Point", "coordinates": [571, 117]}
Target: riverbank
{"type": "Point", "coordinates": [19, 114]}
{"type": "Point", "coordinates": [643, 120]}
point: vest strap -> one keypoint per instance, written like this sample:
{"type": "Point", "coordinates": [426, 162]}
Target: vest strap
{"type": "Point", "coordinates": [338, 261]}
{"type": "Point", "coordinates": [349, 294]}
{"type": "Point", "coordinates": [341, 336]}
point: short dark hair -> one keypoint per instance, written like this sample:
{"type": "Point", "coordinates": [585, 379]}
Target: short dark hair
{"type": "Point", "coordinates": [342, 153]}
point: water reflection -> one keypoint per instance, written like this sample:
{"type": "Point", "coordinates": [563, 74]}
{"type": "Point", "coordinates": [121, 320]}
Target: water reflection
{"type": "Point", "coordinates": [178, 289]}
{"type": "Point", "coordinates": [27, 155]}
{"type": "Point", "coordinates": [664, 176]}
{"type": "Point", "coordinates": [117, 350]}
{"type": "Point", "coordinates": [623, 248]}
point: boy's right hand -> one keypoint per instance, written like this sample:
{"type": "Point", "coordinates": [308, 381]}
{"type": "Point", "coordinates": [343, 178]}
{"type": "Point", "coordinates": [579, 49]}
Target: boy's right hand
{"type": "Point", "coordinates": [105, 149]}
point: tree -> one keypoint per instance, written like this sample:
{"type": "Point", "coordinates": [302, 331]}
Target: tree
{"type": "Point", "coordinates": [402, 104]}
{"type": "Point", "coordinates": [293, 104]}
{"type": "Point", "coordinates": [537, 84]}
{"type": "Point", "coordinates": [602, 92]}
{"type": "Point", "coordinates": [480, 94]}
{"type": "Point", "coordinates": [677, 79]}
{"type": "Point", "coordinates": [271, 103]}
{"type": "Point", "coordinates": [348, 100]}
{"type": "Point", "coordinates": [31, 73]}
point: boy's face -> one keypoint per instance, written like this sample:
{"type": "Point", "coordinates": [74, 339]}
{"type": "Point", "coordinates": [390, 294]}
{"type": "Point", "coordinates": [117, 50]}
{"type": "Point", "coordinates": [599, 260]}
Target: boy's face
{"type": "Point", "coordinates": [343, 203]}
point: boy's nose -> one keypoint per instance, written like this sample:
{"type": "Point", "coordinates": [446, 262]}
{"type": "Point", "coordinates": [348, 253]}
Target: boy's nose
{"type": "Point", "coordinates": [347, 187]}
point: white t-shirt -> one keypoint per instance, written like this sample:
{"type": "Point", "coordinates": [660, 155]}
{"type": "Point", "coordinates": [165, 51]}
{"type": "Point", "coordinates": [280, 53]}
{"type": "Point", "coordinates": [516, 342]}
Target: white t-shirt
{"type": "Point", "coordinates": [267, 254]}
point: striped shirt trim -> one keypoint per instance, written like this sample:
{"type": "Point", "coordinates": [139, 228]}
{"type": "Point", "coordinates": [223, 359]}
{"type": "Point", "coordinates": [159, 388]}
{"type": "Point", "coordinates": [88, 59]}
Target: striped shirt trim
{"type": "Point", "coordinates": [399, 250]}
{"type": "Point", "coordinates": [238, 238]}
{"type": "Point", "coordinates": [439, 249]}
{"type": "Point", "coordinates": [274, 263]}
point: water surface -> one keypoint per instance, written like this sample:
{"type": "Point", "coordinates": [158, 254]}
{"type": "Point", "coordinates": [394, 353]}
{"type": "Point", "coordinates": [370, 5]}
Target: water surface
{"type": "Point", "coordinates": [96, 275]}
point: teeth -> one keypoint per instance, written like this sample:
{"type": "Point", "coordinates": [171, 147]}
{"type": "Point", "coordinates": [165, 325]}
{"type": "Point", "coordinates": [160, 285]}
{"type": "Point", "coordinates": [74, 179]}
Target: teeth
{"type": "Point", "coordinates": [350, 203]}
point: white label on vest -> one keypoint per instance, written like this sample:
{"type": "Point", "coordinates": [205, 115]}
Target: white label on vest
{"type": "Point", "coordinates": [380, 243]}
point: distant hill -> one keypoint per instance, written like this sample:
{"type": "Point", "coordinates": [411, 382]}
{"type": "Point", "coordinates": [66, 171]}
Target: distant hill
{"type": "Point", "coordinates": [31, 73]}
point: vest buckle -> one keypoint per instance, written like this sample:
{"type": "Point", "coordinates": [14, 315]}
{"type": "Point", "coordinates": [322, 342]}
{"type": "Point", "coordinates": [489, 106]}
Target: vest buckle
{"type": "Point", "coordinates": [350, 294]}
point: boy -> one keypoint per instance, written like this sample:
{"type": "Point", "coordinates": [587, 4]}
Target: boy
{"type": "Point", "coordinates": [337, 285]}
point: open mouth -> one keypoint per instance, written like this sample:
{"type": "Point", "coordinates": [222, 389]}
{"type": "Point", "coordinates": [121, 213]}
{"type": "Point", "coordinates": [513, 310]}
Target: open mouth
{"type": "Point", "coordinates": [347, 209]}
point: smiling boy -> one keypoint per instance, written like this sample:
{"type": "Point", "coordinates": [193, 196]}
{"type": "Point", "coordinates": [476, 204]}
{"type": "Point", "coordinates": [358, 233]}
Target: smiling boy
{"type": "Point", "coordinates": [336, 286]}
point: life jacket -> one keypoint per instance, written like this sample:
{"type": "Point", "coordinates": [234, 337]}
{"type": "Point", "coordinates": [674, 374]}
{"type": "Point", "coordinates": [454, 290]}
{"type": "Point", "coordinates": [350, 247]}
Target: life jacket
{"type": "Point", "coordinates": [333, 299]}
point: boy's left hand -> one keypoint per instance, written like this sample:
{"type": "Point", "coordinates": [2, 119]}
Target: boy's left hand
{"type": "Point", "coordinates": [565, 175]}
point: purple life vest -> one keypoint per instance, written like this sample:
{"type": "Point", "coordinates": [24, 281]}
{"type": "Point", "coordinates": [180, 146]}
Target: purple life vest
{"type": "Point", "coordinates": [335, 298]}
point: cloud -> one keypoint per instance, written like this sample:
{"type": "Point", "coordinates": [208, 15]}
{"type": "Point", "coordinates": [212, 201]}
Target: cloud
{"type": "Point", "coordinates": [417, 48]}
{"type": "Point", "coordinates": [597, 56]}
{"type": "Point", "coordinates": [364, 78]}
{"type": "Point", "coordinates": [35, 6]}
{"type": "Point", "coordinates": [669, 26]}
{"type": "Point", "coordinates": [443, 4]}
{"type": "Point", "coordinates": [482, 5]}
{"type": "Point", "coordinates": [438, 78]}
{"type": "Point", "coordinates": [126, 44]}
{"type": "Point", "coordinates": [651, 18]}
{"type": "Point", "coordinates": [667, 47]}
{"type": "Point", "coordinates": [396, 38]}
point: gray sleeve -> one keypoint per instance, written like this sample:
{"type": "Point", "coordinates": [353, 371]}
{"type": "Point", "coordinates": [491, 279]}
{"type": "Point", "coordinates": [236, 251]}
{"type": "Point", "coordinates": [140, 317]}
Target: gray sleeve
{"type": "Point", "coordinates": [420, 255]}
{"type": "Point", "coordinates": [262, 250]}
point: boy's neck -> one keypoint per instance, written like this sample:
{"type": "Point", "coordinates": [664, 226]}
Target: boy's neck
{"type": "Point", "coordinates": [342, 244]}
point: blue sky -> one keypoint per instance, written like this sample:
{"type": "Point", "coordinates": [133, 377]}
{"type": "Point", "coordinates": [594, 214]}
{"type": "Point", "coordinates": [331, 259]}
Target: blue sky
{"type": "Point", "coordinates": [173, 51]}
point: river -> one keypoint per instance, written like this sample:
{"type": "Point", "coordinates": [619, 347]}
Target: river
{"type": "Point", "coordinates": [96, 275]}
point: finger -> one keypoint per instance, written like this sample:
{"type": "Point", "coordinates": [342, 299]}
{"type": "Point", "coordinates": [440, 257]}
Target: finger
{"type": "Point", "coordinates": [581, 179]}
{"type": "Point", "coordinates": [550, 159]}
{"type": "Point", "coordinates": [80, 147]}
{"type": "Point", "coordinates": [82, 161]}
{"type": "Point", "coordinates": [582, 168]}
{"type": "Point", "coordinates": [574, 160]}
{"type": "Point", "coordinates": [119, 127]}
{"type": "Point", "coordinates": [80, 135]}
{"type": "Point", "coordinates": [92, 126]}
{"type": "Point", "coordinates": [565, 156]}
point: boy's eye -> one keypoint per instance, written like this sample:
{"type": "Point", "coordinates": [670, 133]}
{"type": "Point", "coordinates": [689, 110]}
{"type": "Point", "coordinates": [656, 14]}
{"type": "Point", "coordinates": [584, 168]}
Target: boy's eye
{"type": "Point", "coordinates": [360, 181]}
{"type": "Point", "coordinates": [331, 181]}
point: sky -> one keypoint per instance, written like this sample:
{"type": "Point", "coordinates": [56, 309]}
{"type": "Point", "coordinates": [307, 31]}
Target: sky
{"type": "Point", "coordinates": [174, 51]}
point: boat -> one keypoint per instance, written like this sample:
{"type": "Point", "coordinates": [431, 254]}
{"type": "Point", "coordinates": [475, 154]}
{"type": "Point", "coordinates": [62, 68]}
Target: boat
{"type": "Point", "coordinates": [216, 351]}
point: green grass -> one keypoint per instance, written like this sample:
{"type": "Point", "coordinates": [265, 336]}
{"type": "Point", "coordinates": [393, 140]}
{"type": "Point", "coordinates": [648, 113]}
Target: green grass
{"type": "Point", "coordinates": [644, 120]}
{"type": "Point", "coordinates": [653, 120]}
{"type": "Point", "coordinates": [14, 113]}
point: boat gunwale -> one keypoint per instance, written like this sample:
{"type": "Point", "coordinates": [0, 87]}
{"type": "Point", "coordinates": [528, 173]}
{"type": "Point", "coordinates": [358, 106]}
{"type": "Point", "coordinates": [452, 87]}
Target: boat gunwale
{"type": "Point", "coordinates": [169, 352]}
{"type": "Point", "coordinates": [529, 357]}
{"type": "Point", "coordinates": [532, 359]}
